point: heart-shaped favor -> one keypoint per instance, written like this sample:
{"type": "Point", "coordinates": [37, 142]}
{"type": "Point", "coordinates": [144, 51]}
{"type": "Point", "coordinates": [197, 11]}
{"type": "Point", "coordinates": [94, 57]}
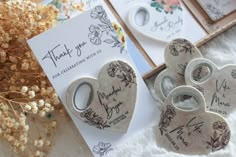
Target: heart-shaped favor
{"type": "Point", "coordinates": [178, 54]}
{"type": "Point", "coordinates": [218, 86]}
{"type": "Point", "coordinates": [161, 26]}
{"type": "Point", "coordinates": [187, 128]}
{"type": "Point", "coordinates": [165, 82]}
{"type": "Point", "coordinates": [111, 100]}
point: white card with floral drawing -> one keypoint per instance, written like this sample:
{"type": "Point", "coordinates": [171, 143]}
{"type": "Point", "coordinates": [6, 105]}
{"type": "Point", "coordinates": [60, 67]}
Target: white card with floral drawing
{"type": "Point", "coordinates": [80, 47]}
{"type": "Point", "coordinates": [173, 17]}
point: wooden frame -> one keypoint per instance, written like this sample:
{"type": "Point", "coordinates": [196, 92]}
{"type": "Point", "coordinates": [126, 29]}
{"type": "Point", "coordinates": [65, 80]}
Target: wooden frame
{"type": "Point", "coordinates": [205, 21]}
{"type": "Point", "coordinates": [198, 44]}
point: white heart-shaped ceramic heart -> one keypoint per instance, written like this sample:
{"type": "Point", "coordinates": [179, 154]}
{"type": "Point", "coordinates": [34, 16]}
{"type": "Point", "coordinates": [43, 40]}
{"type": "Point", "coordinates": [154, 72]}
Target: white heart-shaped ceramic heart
{"type": "Point", "coordinates": [189, 130]}
{"type": "Point", "coordinates": [157, 25]}
{"type": "Point", "coordinates": [112, 98]}
{"type": "Point", "coordinates": [218, 87]}
{"type": "Point", "coordinates": [177, 55]}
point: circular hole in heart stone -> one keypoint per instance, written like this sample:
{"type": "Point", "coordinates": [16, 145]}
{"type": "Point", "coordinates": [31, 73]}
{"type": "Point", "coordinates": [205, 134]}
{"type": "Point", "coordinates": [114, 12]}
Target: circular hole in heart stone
{"type": "Point", "coordinates": [167, 85]}
{"type": "Point", "coordinates": [186, 102]}
{"type": "Point", "coordinates": [83, 96]}
{"type": "Point", "coordinates": [141, 17]}
{"type": "Point", "coordinates": [201, 73]}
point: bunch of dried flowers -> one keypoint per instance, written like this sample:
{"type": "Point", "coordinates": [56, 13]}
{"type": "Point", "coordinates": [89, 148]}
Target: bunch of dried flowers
{"type": "Point", "coordinates": [27, 98]}
{"type": "Point", "coordinates": [25, 92]}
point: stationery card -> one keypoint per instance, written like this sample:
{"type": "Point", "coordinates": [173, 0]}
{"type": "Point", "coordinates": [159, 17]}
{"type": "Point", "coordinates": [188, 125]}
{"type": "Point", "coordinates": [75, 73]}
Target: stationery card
{"type": "Point", "coordinates": [67, 11]}
{"type": "Point", "coordinates": [81, 47]}
{"type": "Point", "coordinates": [217, 9]}
{"type": "Point", "coordinates": [168, 8]}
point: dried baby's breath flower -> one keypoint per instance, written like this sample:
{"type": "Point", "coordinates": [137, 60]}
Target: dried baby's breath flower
{"type": "Point", "coordinates": [47, 143]}
{"type": "Point", "coordinates": [25, 92]}
{"type": "Point", "coordinates": [24, 89]}
{"type": "Point", "coordinates": [54, 124]}
{"type": "Point", "coordinates": [31, 94]}
{"type": "Point", "coordinates": [27, 107]}
{"type": "Point", "coordinates": [41, 103]}
{"type": "Point", "coordinates": [42, 113]}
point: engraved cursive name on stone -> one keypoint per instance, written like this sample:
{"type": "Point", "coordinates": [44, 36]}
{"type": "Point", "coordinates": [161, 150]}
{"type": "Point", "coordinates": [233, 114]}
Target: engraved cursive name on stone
{"type": "Point", "coordinates": [223, 85]}
{"type": "Point", "coordinates": [180, 130]}
{"type": "Point", "coordinates": [216, 99]}
{"type": "Point", "coordinates": [114, 91]}
{"type": "Point", "coordinates": [110, 110]}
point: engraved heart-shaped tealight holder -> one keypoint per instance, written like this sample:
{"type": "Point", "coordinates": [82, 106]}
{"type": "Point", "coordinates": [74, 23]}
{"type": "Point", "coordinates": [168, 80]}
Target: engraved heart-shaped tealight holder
{"type": "Point", "coordinates": [178, 54]}
{"type": "Point", "coordinates": [218, 86]}
{"type": "Point", "coordinates": [189, 128]}
{"type": "Point", "coordinates": [112, 98]}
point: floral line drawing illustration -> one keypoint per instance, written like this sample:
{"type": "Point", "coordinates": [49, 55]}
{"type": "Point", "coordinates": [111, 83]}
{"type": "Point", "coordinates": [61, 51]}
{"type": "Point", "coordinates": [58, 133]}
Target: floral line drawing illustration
{"type": "Point", "coordinates": [102, 149]}
{"type": "Point", "coordinates": [166, 117]}
{"type": "Point", "coordinates": [122, 71]}
{"type": "Point", "coordinates": [220, 137]}
{"type": "Point", "coordinates": [96, 32]}
{"type": "Point", "coordinates": [182, 67]}
{"type": "Point", "coordinates": [181, 46]}
{"type": "Point", "coordinates": [93, 119]}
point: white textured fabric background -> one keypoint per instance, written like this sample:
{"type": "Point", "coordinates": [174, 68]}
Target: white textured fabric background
{"type": "Point", "coordinates": [221, 50]}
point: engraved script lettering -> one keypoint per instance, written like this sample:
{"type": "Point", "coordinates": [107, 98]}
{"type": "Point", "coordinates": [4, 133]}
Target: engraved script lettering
{"type": "Point", "coordinates": [166, 24]}
{"type": "Point", "coordinates": [216, 99]}
{"type": "Point", "coordinates": [191, 126]}
{"type": "Point", "coordinates": [103, 96]}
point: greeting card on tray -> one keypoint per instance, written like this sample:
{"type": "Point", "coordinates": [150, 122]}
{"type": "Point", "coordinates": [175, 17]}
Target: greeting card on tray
{"type": "Point", "coordinates": [168, 17]}
{"type": "Point", "coordinates": [79, 48]}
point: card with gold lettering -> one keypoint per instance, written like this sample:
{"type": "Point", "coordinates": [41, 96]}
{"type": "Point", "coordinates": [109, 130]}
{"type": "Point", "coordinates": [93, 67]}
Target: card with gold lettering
{"type": "Point", "coordinates": [107, 107]}
{"type": "Point", "coordinates": [218, 86]}
{"type": "Point", "coordinates": [186, 127]}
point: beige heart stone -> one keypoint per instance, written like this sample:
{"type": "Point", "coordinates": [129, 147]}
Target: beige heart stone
{"type": "Point", "coordinates": [166, 81]}
{"type": "Point", "coordinates": [191, 131]}
{"type": "Point", "coordinates": [112, 98]}
{"type": "Point", "coordinates": [218, 87]}
{"type": "Point", "coordinates": [177, 55]}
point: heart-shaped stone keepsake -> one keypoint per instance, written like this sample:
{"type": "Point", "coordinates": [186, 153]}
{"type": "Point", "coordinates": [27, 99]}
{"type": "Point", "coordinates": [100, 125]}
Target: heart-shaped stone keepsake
{"type": "Point", "coordinates": [112, 98]}
{"type": "Point", "coordinates": [177, 55]}
{"type": "Point", "coordinates": [187, 128]}
{"type": "Point", "coordinates": [166, 81]}
{"type": "Point", "coordinates": [218, 86]}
